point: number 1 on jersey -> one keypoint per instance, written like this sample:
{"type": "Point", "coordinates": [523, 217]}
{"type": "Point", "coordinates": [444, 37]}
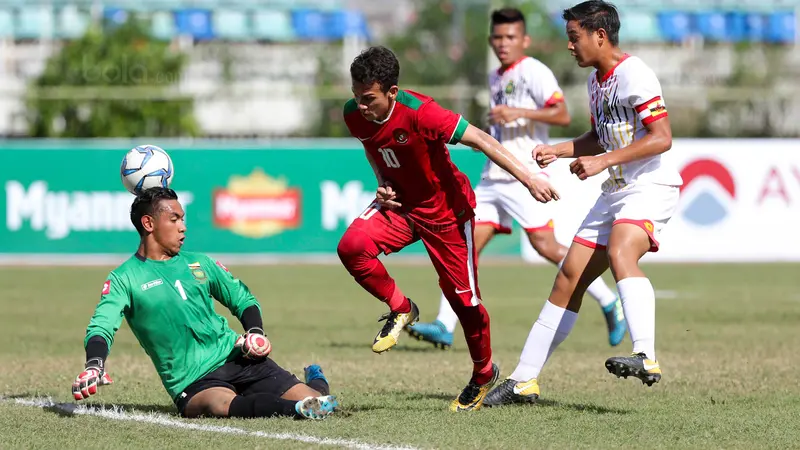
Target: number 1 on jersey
{"type": "Point", "coordinates": [389, 158]}
{"type": "Point", "coordinates": [180, 289]}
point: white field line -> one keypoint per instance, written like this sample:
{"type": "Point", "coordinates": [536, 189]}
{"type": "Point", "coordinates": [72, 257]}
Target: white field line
{"type": "Point", "coordinates": [116, 413]}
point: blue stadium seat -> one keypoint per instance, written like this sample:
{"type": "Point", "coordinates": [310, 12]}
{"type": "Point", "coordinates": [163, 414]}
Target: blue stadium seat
{"type": "Point", "coordinates": [196, 23]}
{"type": "Point", "coordinates": [639, 27]}
{"type": "Point", "coordinates": [736, 26]}
{"type": "Point", "coordinates": [34, 22]}
{"type": "Point", "coordinates": [6, 23]}
{"type": "Point", "coordinates": [346, 23]}
{"type": "Point", "coordinates": [675, 26]}
{"type": "Point", "coordinates": [712, 26]}
{"type": "Point", "coordinates": [310, 24]}
{"type": "Point", "coordinates": [781, 27]}
{"type": "Point", "coordinates": [162, 25]}
{"type": "Point", "coordinates": [273, 25]}
{"type": "Point", "coordinates": [231, 24]}
{"type": "Point", "coordinates": [115, 16]}
{"type": "Point", "coordinates": [72, 23]}
{"type": "Point", "coordinates": [755, 27]}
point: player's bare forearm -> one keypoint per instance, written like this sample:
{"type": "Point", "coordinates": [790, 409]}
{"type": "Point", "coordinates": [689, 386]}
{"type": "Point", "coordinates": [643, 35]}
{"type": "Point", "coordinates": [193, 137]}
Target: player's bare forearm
{"type": "Point", "coordinates": [657, 141]}
{"type": "Point", "coordinates": [374, 166]}
{"type": "Point", "coordinates": [586, 144]}
{"type": "Point", "coordinates": [553, 115]}
{"type": "Point", "coordinates": [479, 140]}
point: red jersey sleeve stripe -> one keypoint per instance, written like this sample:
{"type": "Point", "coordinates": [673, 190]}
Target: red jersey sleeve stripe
{"type": "Point", "coordinates": [651, 111]}
{"type": "Point", "coordinates": [651, 119]}
{"type": "Point", "coordinates": [458, 133]}
{"type": "Point", "coordinates": [644, 105]}
{"type": "Point", "coordinates": [555, 99]}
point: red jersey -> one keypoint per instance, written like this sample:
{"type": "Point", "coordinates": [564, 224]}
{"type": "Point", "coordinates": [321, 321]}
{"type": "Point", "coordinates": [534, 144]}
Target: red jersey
{"type": "Point", "coordinates": [410, 151]}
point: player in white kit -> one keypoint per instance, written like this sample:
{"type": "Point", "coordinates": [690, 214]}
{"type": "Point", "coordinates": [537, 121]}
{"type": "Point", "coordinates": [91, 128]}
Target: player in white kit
{"type": "Point", "coordinates": [630, 131]}
{"type": "Point", "coordinates": [525, 101]}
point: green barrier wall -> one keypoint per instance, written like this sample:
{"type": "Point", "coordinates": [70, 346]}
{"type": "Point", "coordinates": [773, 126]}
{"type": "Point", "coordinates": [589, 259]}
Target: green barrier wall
{"type": "Point", "coordinates": [65, 197]}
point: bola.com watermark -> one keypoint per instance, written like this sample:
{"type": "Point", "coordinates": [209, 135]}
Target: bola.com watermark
{"type": "Point", "coordinates": [129, 71]}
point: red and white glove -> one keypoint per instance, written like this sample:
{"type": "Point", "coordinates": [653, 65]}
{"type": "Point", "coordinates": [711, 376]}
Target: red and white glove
{"type": "Point", "coordinates": [254, 344]}
{"type": "Point", "coordinates": [89, 380]}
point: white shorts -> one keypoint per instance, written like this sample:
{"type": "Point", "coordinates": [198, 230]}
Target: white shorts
{"type": "Point", "coordinates": [649, 206]}
{"type": "Point", "coordinates": [501, 203]}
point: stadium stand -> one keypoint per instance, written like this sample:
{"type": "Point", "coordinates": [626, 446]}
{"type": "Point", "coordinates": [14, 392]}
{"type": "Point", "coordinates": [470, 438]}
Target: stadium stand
{"type": "Point", "coordinates": [202, 20]}
{"type": "Point", "coordinates": [676, 21]}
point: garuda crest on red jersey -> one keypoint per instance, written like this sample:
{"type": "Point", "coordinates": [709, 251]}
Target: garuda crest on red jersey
{"type": "Point", "coordinates": [401, 136]}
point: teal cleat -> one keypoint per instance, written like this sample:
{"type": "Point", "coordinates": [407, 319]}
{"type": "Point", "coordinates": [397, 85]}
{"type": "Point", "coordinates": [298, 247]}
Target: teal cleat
{"type": "Point", "coordinates": [314, 372]}
{"type": "Point", "coordinates": [317, 408]}
{"type": "Point", "coordinates": [435, 333]}
{"type": "Point", "coordinates": [615, 319]}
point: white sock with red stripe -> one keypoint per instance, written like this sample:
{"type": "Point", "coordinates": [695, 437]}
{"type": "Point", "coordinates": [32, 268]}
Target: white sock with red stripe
{"type": "Point", "coordinates": [446, 315]}
{"type": "Point", "coordinates": [639, 305]}
{"type": "Point", "coordinates": [549, 331]}
{"type": "Point", "coordinates": [599, 290]}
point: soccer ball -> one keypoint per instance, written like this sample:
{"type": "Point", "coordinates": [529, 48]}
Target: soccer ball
{"type": "Point", "coordinates": [144, 167]}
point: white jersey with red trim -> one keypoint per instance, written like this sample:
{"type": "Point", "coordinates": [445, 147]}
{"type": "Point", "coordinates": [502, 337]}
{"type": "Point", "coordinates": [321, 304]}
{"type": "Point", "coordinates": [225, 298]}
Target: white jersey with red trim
{"type": "Point", "coordinates": [621, 104]}
{"type": "Point", "coordinates": [528, 84]}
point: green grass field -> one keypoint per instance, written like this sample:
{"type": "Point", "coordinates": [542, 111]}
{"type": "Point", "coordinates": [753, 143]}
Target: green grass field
{"type": "Point", "coordinates": [727, 335]}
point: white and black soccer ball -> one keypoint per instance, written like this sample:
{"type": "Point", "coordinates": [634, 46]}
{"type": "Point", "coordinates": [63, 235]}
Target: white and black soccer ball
{"type": "Point", "coordinates": [144, 167]}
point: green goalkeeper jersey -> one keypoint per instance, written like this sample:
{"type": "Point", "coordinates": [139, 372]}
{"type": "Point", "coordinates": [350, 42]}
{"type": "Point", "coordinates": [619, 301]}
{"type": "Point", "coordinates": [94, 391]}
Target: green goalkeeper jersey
{"type": "Point", "coordinates": [169, 306]}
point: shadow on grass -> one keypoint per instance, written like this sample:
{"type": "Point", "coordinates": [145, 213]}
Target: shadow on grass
{"type": "Point", "coordinates": [397, 348]}
{"type": "Point", "coordinates": [446, 398]}
{"type": "Point", "coordinates": [67, 409]}
{"type": "Point", "coordinates": [594, 409]}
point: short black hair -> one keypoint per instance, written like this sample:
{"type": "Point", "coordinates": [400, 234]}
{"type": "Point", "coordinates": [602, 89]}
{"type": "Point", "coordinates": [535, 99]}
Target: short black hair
{"type": "Point", "coordinates": [508, 15]}
{"type": "Point", "coordinates": [595, 14]}
{"type": "Point", "coordinates": [145, 204]}
{"type": "Point", "coordinates": [376, 64]}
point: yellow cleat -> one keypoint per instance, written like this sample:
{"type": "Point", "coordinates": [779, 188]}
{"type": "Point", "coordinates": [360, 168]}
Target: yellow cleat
{"type": "Point", "coordinates": [471, 398]}
{"type": "Point", "coordinates": [390, 333]}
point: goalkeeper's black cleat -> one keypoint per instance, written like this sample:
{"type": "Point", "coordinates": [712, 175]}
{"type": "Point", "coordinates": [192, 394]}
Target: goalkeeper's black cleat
{"type": "Point", "coordinates": [512, 392]}
{"type": "Point", "coordinates": [472, 397]}
{"type": "Point", "coordinates": [637, 365]}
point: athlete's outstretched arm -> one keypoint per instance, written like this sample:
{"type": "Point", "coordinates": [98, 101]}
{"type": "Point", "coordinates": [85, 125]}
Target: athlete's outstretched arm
{"type": "Point", "coordinates": [540, 188]}
{"type": "Point", "coordinates": [103, 326]}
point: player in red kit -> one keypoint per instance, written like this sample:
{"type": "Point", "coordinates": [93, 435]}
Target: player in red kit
{"type": "Point", "coordinates": [421, 195]}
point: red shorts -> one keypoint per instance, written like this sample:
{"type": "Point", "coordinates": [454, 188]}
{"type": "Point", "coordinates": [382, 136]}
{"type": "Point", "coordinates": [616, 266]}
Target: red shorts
{"type": "Point", "coordinates": [450, 247]}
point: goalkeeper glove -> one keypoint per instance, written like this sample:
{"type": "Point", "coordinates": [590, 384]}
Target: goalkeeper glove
{"type": "Point", "coordinates": [254, 344]}
{"type": "Point", "coordinates": [90, 379]}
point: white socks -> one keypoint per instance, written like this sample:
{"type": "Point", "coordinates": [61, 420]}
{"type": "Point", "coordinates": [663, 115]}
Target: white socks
{"type": "Point", "coordinates": [446, 315]}
{"type": "Point", "coordinates": [639, 305]}
{"type": "Point", "coordinates": [599, 290]}
{"type": "Point", "coordinates": [550, 330]}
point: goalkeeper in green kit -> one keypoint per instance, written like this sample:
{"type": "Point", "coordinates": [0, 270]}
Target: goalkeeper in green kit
{"type": "Point", "coordinates": [165, 295]}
